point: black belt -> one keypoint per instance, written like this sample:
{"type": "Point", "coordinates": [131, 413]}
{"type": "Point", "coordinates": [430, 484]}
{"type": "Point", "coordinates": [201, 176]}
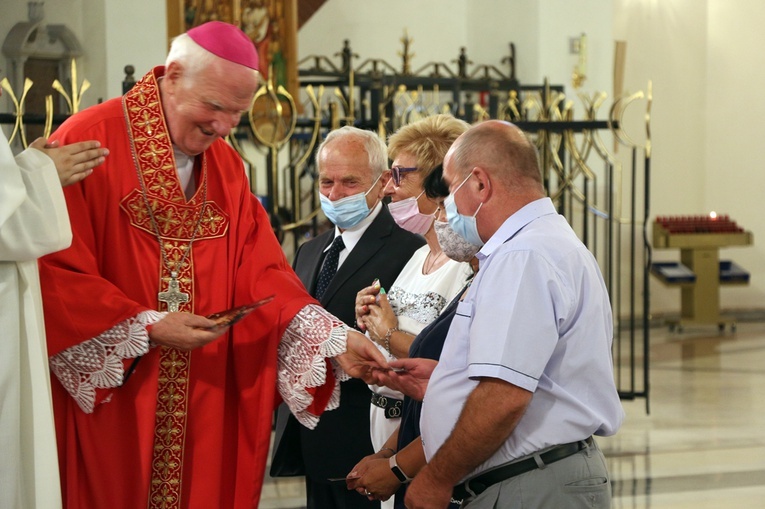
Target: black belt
{"type": "Point", "coordinates": [479, 483]}
{"type": "Point", "coordinates": [392, 406]}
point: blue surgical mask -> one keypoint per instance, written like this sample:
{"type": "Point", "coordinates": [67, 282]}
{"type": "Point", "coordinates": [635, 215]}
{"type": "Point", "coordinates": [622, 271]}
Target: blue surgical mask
{"type": "Point", "coordinates": [349, 211]}
{"type": "Point", "coordinates": [464, 226]}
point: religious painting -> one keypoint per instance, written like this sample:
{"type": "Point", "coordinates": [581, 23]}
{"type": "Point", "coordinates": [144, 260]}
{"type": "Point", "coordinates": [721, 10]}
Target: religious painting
{"type": "Point", "coordinates": [271, 24]}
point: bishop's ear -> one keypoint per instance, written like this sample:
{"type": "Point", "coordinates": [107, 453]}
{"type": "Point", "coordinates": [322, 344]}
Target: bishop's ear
{"type": "Point", "coordinates": [174, 73]}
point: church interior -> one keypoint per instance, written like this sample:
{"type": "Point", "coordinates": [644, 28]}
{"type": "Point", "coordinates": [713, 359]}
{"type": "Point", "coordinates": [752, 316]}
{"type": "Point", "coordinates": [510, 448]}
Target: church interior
{"type": "Point", "coordinates": [646, 117]}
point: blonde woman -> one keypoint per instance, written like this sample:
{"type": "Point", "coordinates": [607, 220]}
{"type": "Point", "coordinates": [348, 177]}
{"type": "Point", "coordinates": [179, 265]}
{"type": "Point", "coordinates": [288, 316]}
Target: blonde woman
{"type": "Point", "coordinates": [429, 280]}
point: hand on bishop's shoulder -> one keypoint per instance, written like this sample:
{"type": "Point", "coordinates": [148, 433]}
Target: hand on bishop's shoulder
{"type": "Point", "coordinates": [74, 161]}
{"type": "Point", "coordinates": [361, 357]}
{"type": "Point", "coordinates": [185, 331]}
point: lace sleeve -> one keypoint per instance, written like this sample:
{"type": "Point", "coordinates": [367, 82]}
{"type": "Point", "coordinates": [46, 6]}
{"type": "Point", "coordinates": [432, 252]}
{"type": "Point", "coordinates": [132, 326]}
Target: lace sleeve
{"type": "Point", "coordinates": [97, 363]}
{"type": "Point", "coordinates": [312, 335]}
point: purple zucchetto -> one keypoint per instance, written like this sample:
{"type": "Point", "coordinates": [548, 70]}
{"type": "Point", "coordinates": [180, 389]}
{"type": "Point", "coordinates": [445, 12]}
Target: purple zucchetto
{"type": "Point", "coordinates": [227, 42]}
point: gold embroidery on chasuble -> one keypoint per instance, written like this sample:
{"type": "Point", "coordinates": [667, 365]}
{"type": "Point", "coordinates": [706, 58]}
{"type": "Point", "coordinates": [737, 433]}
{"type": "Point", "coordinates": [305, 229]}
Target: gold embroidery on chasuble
{"type": "Point", "coordinates": [176, 225]}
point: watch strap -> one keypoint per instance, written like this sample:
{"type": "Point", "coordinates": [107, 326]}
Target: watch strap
{"type": "Point", "coordinates": [400, 475]}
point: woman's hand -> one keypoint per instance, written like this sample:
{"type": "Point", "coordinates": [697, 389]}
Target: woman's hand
{"type": "Point", "coordinates": [380, 318]}
{"type": "Point", "coordinates": [365, 298]}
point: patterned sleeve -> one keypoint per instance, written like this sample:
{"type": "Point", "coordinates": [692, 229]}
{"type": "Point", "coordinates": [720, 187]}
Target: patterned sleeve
{"type": "Point", "coordinates": [97, 363]}
{"type": "Point", "coordinates": [312, 336]}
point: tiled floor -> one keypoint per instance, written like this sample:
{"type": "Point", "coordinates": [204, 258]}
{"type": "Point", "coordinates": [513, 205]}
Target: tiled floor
{"type": "Point", "coordinates": [703, 444]}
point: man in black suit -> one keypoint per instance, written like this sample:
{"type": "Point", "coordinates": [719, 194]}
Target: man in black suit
{"type": "Point", "coordinates": [353, 173]}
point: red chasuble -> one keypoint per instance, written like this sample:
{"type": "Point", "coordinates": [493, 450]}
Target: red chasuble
{"type": "Point", "coordinates": [185, 429]}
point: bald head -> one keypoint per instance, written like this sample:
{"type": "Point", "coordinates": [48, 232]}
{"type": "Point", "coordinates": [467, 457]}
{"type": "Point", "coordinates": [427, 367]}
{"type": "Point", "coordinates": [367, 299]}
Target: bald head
{"type": "Point", "coordinates": [503, 151]}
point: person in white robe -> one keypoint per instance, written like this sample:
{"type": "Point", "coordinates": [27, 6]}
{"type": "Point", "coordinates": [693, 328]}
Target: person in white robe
{"type": "Point", "coordinates": [33, 223]}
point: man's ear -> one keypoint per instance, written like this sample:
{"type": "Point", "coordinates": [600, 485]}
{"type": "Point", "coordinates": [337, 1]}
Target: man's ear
{"type": "Point", "coordinates": [483, 182]}
{"type": "Point", "coordinates": [385, 180]}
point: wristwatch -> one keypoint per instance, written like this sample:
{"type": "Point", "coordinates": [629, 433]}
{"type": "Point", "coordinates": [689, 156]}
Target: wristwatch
{"type": "Point", "coordinates": [400, 475]}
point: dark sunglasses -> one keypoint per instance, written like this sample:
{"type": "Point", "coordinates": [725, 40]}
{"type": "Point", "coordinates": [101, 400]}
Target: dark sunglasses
{"type": "Point", "coordinates": [397, 173]}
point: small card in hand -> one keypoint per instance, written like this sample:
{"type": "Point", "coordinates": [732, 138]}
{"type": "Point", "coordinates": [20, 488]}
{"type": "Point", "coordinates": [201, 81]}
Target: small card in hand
{"type": "Point", "coordinates": [231, 316]}
{"type": "Point", "coordinates": [343, 479]}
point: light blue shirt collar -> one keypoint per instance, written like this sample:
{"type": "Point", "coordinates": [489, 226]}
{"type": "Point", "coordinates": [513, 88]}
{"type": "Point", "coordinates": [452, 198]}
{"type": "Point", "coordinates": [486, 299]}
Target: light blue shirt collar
{"type": "Point", "coordinates": [516, 223]}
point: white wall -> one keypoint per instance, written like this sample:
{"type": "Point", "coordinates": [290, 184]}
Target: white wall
{"type": "Point", "coordinates": [734, 124]}
{"type": "Point", "coordinates": [375, 29]}
{"type": "Point", "coordinates": [485, 27]}
{"type": "Point", "coordinates": [144, 45]}
{"type": "Point", "coordinates": [702, 58]}
{"type": "Point", "coordinates": [558, 22]}
{"type": "Point", "coordinates": [93, 36]}
{"type": "Point", "coordinates": [666, 44]}
{"type": "Point", "coordinates": [493, 24]}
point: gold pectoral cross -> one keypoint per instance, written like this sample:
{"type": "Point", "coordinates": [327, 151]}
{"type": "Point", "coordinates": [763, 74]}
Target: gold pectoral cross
{"type": "Point", "coordinates": [173, 297]}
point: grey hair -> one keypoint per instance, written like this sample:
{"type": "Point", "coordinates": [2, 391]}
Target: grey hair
{"type": "Point", "coordinates": [374, 145]}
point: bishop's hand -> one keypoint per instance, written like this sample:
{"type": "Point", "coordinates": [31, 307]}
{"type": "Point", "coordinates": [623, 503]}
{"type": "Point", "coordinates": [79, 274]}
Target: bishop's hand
{"type": "Point", "coordinates": [361, 357]}
{"type": "Point", "coordinates": [184, 331]}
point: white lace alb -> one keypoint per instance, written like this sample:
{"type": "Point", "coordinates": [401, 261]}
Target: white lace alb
{"type": "Point", "coordinates": [312, 336]}
{"type": "Point", "coordinates": [97, 363]}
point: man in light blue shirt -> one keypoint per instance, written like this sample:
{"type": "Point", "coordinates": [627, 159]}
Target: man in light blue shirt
{"type": "Point", "coordinates": [525, 377]}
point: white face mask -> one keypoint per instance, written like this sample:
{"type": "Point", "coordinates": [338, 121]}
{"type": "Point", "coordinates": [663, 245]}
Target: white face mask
{"type": "Point", "coordinates": [452, 244]}
{"type": "Point", "coordinates": [407, 215]}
